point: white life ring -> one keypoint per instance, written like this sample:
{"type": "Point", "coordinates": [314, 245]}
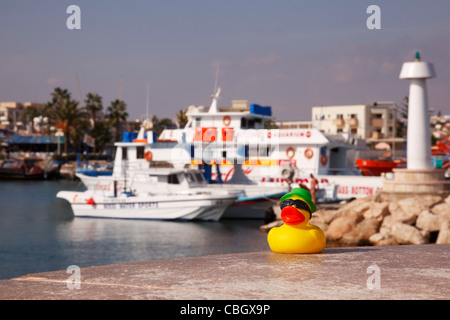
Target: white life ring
{"type": "Point", "coordinates": [290, 152]}
{"type": "Point", "coordinates": [226, 120]}
{"type": "Point", "coordinates": [309, 153]}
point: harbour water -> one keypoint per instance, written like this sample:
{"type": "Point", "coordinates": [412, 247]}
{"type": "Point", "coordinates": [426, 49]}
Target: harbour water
{"type": "Point", "coordinates": [39, 233]}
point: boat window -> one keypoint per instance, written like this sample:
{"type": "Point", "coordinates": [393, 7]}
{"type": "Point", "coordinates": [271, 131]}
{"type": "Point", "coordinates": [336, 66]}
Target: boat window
{"type": "Point", "coordinates": [199, 177]}
{"type": "Point", "coordinates": [152, 179]}
{"type": "Point", "coordinates": [264, 152]}
{"type": "Point", "coordinates": [243, 123]}
{"type": "Point", "coordinates": [140, 152]}
{"type": "Point", "coordinates": [173, 179]}
{"type": "Point", "coordinates": [189, 177]}
{"type": "Point", "coordinates": [124, 154]}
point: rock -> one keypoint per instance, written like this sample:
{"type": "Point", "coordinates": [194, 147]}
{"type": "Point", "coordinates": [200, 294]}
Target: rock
{"type": "Point", "coordinates": [447, 200]}
{"type": "Point", "coordinates": [339, 226]}
{"type": "Point", "coordinates": [406, 234]}
{"type": "Point", "coordinates": [407, 210]}
{"type": "Point", "coordinates": [377, 210]}
{"type": "Point", "coordinates": [367, 227]}
{"type": "Point", "coordinates": [387, 241]}
{"type": "Point", "coordinates": [361, 233]}
{"type": "Point", "coordinates": [382, 239]}
{"type": "Point", "coordinates": [401, 212]}
{"type": "Point", "coordinates": [443, 236]}
{"type": "Point", "coordinates": [427, 221]}
{"type": "Point", "coordinates": [376, 237]}
{"type": "Point", "coordinates": [355, 210]}
{"type": "Point", "coordinates": [428, 201]}
{"type": "Point", "coordinates": [325, 216]}
{"type": "Point", "coordinates": [443, 210]}
{"type": "Point", "coordinates": [398, 215]}
{"type": "Point", "coordinates": [388, 222]}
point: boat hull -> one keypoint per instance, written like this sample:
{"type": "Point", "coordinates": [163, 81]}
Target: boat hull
{"type": "Point", "coordinates": [377, 167]}
{"type": "Point", "coordinates": [177, 208]}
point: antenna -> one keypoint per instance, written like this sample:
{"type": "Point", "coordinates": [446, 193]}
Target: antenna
{"type": "Point", "coordinates": [148, 98]}
{"type": "Point", "coordinates": [217, 77]}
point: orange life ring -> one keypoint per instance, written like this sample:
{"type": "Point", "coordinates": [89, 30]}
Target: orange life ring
{"type": "Point", "coordinates": [323, 160]}
{"type": "Point", "coordinates": [290, 152]}
{"type": "Point", "coordinates": [148, 156]}
{"type": "Point", "coordinates": [226, 120]}
{"type": "Point", "coordinates": [309, 153]}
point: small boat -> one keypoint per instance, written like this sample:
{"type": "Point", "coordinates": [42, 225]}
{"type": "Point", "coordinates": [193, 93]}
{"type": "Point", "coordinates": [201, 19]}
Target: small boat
{"type": "Point", "coordinates": [161, 194]}
{"type": "Point", "coordinates": [26, 169]}
{"type": "Point", "coordinates": [375, 167]}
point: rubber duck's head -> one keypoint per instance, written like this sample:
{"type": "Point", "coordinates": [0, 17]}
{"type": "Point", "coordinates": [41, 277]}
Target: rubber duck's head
{"type": "Point", "coordinates": [297, 207]}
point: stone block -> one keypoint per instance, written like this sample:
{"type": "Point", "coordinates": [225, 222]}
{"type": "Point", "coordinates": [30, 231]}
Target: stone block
{"type": "Point", "coordinates": [406, 234]}
{"type": "Point", "coordinates": [429, 222]}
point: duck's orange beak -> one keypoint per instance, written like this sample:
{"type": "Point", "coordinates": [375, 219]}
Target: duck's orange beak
{"type": "Point", "coordinates": [291, 216]}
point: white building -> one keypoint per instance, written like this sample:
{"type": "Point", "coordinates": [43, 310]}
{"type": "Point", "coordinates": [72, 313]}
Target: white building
{"type": "Point", "coordinates": [11, 114]}
{"type": "Point", "coordinates": [374, 123]}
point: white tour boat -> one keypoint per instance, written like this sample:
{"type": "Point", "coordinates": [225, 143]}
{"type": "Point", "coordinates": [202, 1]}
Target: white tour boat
{"type": "Point", "coordinates": [163, 194]}
{"type": "Point", "coordinates": [224, 136]}
{"type": "Point", "coordinates": [140, 154]}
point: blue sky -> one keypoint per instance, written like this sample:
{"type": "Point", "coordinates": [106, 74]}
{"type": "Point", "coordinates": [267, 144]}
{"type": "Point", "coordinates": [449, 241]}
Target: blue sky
{"type": "Point", "coordinates": [288, 54]}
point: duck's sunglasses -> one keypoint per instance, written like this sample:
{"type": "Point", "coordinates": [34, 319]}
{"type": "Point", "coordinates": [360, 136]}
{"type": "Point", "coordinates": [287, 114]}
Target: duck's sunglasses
{"type": "Point", "coordinates": [299, 204]}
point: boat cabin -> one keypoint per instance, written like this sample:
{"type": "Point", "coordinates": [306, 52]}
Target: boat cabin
{"type": "Point", "coordinates": [166, 181]}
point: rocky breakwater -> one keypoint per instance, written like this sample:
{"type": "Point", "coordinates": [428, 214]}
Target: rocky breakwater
{"type": "Point", "coordinates": [383, 219]}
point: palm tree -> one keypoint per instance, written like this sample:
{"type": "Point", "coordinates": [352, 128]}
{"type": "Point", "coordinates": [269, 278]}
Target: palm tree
{"type": "Point", "coordinates": [182, 119]}
{"type": "Point", "coordinates": [65, 114]}
{"type": "Point", "coordinates": [94, 105]}
{"type": "Point", "coordinates": [160, 124]}
{"type": "Point", "coordinates": [116, 115]}
{"type": "Point", "coordinates": [102, 136]}
{"type": "Point", "coordinates": [165, 123]}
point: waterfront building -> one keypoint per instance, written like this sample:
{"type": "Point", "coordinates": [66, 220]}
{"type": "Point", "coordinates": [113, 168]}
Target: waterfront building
{"type": "Point", "coordinates": [374, 123]}
{"type": "Point", "coordinates": [11, 115]}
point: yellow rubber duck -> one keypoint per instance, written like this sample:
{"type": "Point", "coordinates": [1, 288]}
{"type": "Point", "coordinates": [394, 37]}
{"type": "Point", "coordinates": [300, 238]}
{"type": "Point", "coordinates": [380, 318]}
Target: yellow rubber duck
{"type": "Point", "coordinates": [297, 235]}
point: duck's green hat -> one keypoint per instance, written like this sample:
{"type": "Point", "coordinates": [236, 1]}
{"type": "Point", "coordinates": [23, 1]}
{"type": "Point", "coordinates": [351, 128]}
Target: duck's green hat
{"type": "Point", "coordinates": [302, 193]}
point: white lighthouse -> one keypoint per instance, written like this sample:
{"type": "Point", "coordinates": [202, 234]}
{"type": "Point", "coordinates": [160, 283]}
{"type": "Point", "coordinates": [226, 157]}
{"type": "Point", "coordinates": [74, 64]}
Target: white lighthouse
{"type": "Point", "coordinates": [419, 145]}
{"type": "Point", "coordinates": [419, 177]}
